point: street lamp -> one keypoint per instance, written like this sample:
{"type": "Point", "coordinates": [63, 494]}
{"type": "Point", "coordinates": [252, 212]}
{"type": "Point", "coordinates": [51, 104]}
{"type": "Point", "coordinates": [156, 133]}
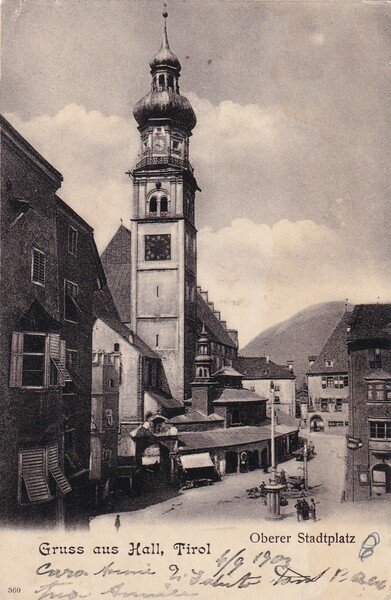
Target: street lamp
{"type": "Point", "coordinates": [273, 489]}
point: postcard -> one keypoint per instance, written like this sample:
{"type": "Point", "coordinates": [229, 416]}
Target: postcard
{"type": "Point", "coordinates": [195, 300]}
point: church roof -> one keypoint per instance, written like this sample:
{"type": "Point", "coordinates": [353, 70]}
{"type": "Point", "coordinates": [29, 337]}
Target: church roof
{"type": "Point", "coordinates": [164, 56]}
{"type": "Point", "coordinates": [259, 367]}
{"type": "Point", "coordinates": [334, 355]}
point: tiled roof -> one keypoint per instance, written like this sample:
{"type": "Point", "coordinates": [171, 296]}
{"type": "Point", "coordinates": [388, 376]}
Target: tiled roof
{"type": "Point", "coordinates": [195, 416]}
{"type": "Point", "coordinates": [258, 367]}
{"type": "Point", "coordinates": [105, 309]}
{"type": "Point", "coordinates": [165, 400]}
{"type": "Point", "coordinates": [233, 436]}
{"type": "Point", "coordinates": [206, 316]}
{"type": "Point", "coordinates": [227, 372]}
{"type": "Point", "coordinates": [334, 350]}
{"type": "Point", "coordinates": [370, 321]}
{"type": "Point", "coordinates": [378, 375]}
{"type": "Point", "coordinates": [229, 395]}
{"type": "Point", "coordinates": [116, 260]}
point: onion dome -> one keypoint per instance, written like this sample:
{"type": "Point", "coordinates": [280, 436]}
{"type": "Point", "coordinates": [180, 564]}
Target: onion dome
{"type": "Point", "coordinates": [165, 57]}
{"type": "Point", "coordinates": [164, 100]}
{"type": "Point", "coordinates": [165, 104]}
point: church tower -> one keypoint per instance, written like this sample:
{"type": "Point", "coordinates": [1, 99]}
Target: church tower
{"type": "Point", "coordinates": [164, 265]}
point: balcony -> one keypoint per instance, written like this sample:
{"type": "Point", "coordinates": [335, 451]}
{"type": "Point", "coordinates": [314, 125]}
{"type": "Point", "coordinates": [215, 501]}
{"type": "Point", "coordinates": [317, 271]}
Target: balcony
{"type": "Point", "coordinates": [170, 161]}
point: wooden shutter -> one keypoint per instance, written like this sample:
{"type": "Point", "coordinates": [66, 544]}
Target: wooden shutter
{"type": "Point", "coordinates": [55, 470]}
{"type": "Point", "coordinates": [34, 476]}
{"type": "Point", "coordinates": [16, 363]}
{"type": "Point", "coordinates": [54, 345]}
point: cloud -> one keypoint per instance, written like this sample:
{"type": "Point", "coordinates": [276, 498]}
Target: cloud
{"type": "Point", "coordinates": [280, 240]}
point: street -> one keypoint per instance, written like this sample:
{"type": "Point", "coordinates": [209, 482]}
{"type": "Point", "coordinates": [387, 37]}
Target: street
{"type": "Point", "coordinates": [227, 500]}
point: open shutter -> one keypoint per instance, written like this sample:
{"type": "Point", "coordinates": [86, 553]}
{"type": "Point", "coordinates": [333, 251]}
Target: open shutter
{"type": "Point", "coordinates": [55, 470]}
{"type": "Point", "coordinates": [54, 345]}
{"type": "Point", "coordinates": [323, 382]}
{"type": "Point", "coordinates": [34, 476]}
{"type": "Point", "coordinates": [57, 349]}
{"type": "Point", "coordinates": [16, 364]}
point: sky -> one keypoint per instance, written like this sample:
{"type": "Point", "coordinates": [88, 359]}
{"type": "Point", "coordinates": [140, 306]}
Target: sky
{"type": "Point", "coordinates": [291, 149]}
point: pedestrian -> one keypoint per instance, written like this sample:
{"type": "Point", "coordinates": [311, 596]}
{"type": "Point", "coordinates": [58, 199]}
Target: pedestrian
{"type": "Point", "coordinates": [117, 523]}
{"type": "Point", "coordinates": [313, 509]}
{"type": "Point", "coordinates": [283, 477]}
{"type": "Point", "coordinates": [305, 509]}
{"type": "Point", "coordinates": [298, 507]}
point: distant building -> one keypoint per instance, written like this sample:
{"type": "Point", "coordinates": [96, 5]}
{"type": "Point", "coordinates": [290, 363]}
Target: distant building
{"type": "Point", "coordinates": [328, 385]}
{"type": "Point", "coordinates": [106, 381]}
{"type": "Point", "coordinates": [49, 270]}
{"type": "Point", "coordinates": [368, 475]}
{"type": "Point", "coordinates": [259, 372]}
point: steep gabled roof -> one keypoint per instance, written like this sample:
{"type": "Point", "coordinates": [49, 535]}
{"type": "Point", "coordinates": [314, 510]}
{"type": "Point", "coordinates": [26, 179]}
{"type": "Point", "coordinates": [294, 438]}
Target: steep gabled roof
{"type": "Point", "coordinates": [370, 321]}
{"type": "Point", "coordinates": [259, 367]}
{"type": "Point", "coordinates": [238, 395]}
{"type": "Point", "coordinates": [334, 350]}
{"type": "Point", "coordinates": [116, 260]}
{"type": "Point", "coordinates": [214, 328]}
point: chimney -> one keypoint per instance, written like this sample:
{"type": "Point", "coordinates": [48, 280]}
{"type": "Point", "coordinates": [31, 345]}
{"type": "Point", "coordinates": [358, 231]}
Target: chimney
{"type": "Point", "coordinates": [217, 314]}
{"type": "Point", "coordinates": [289, 364]}
{"type": "Point", "coordinates": [312, 358]}
{"type": "Point", "coordinates": [204, 296]}
{"type": "Point", "coordinates": [211, 306]}
{"type": "Point", "coordinates": [267, 359]}
{"type": "Point", "coordinates": [224, 324]}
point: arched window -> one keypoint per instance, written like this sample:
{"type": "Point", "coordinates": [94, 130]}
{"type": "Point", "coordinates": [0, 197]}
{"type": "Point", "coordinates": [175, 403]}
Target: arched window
{"type": "Point", "coordinates": [154, 84]}
{"type": "Point", "coordinates": [153, 205]}
{"type": "Point", "coordinates": [161, 80]}
{"type": "Point", "coordinates": [164, 204]}
{"type": "Point", "coordinates": [116, 347]}
{"type": "Point", "coordinates": [206, 372]}
{"type": "Point", "coordinates": [170, 83]}
{"type": "Point", "coordinates": [199, 372]}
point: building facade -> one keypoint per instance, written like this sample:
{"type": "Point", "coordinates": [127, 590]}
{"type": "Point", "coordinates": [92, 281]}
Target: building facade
{"type": "Point", "coordinates": [328, 385]}
{"type": "Point", "coordinates": [368, 475]}
{"type": "Point", "coordinates": [265, 376]}
{"type": "Point", "coordinates": [49, 271]}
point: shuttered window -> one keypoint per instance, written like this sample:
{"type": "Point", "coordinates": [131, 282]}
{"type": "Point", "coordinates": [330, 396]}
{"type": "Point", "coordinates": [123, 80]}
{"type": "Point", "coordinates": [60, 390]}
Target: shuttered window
{"type": "Point", "coordinates": [55, 471]}
{"type": "Point", "coordinates": [72, 240]}
{"type": "Point", "coordinates": [38, 266]}
{"type": "Point", "coordinates": [33, 475]}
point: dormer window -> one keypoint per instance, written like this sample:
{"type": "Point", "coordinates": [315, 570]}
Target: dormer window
{"type": "Point", "coordinates": [328, 363]}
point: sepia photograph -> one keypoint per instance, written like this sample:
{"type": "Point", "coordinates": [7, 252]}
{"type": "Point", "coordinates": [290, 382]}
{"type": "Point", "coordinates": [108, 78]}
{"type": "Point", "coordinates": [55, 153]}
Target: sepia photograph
{"type": "Point", "coordinates": [195, 289]}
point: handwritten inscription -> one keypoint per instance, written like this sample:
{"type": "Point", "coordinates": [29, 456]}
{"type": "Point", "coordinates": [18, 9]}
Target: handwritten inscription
{"type": "Point", "coordinates": [368, 546]}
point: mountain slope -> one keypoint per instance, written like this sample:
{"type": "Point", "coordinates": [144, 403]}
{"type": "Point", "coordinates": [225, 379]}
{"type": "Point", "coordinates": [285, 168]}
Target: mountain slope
{"type": "Point", "coordinates": [298, 337]}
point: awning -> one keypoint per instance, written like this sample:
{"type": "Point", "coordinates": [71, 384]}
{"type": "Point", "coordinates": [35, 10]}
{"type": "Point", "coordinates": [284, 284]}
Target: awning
{"type": "Point", "coordinates": [34, 476]}
{"type": "Point", "coordinates": [55, 470]}
{"type": "Point", "coordinates": [196, 461]}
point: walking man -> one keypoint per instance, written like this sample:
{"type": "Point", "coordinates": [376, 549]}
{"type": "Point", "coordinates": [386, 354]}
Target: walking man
{"type": "Point", "coordinates": [117, 523]}
{"type": "Point", "coordinates": [298, 507]}
{"type": "Point", "coordinates": [313, 509]}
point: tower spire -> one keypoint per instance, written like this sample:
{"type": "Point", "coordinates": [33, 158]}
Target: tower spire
{"type": "Point", "coordinates": [165, 45]}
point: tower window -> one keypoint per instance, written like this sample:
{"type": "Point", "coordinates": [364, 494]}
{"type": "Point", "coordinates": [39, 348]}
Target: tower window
{"type": "Point", "coordinates": [161, 80]}
{"type": "Point", "coordinates": [116, 347]}
{"type": "Point", "coordinates": [164, 204]}
{"type": "Point", "coordinates": [157, 340]}
{"type": "Point", "coordinates": [170, 83]}
{"type": "Point", "coordinates": [153, 205]}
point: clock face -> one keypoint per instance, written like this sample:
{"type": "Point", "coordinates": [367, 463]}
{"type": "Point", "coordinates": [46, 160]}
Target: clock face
{"type": "Point", "coordinates": [159, 144]}
{"type": "Point", "coordinates": [158, 247]}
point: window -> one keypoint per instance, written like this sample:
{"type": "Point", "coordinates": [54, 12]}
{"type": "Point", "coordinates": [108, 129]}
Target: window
{"type": "Point", "coordinates": [379, 392]}
{"type": "Point", "coordinates": [71, 292]}
{"type": "Point", "coordinates": [374, 357]}
{"type": "Point", "coordinates": [106, 455]}
{"type": "Point", "coordinates": [37, 360]}
{"type": "Point", "coordinates": [170, 82]}
{"type": "Point", "coordinates": [277, 399]}
{"type": "Point", "coordinates": [38, 267]}
{"type": "Point", "coordinates": [34, 351]}
{"type": "Point", "coordinates": [153, 205]}
{"type": "Point", "coordinates": [329, 381]}
{"type": "Point", "coordinates": [335, 423]}
{"type": "Point", "coordinates": [161, 80]}
{"type": "Point", "coordinates": [345, 381]}
{"type": "Point", "coordinates": [380, 429]}
{"type": "Point", "coordinates": [116, 347]}
{"type": "Point", "coordinates": [110, 383]}
{"type": "Point", "coordinates": [157, 340]}
{"type": "Point", "coordinates": [328, 363]}
{"type": "Point", "coordinates": [324, 405]}
{"type": "Point", "coordinates": [338, 405]}
{"type": "Point", "coordinates": [164, 204]}
{"type": "Point", "coordinates": [109, 417]}
{"type": "Point", "coordinates": [235, 417]}
{"type": "Point", "coordinates": [72, 358]}
{"type": "Point", "coordinates": [72, 240]}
